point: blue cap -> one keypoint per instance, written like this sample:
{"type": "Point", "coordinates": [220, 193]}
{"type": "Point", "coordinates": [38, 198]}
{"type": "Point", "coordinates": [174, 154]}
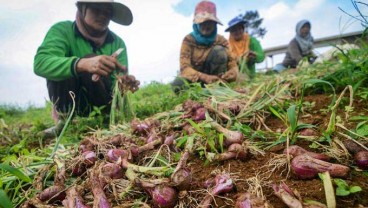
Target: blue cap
{"type": "Point", "coordinates": [235, 21]}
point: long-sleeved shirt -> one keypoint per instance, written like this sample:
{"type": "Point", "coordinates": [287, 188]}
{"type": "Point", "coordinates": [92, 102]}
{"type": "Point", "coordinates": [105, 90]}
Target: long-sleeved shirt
{"type": "Point", "coordinates": [293, 54]}
{"type": "Point", "coordinates": [193, 57]}
{"type": "Point", "coordinates": [64, 45]}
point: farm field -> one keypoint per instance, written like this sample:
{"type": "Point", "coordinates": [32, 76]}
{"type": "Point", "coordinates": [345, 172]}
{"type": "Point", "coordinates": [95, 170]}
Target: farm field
{"type": "Point", "coordinates": [224, 145]}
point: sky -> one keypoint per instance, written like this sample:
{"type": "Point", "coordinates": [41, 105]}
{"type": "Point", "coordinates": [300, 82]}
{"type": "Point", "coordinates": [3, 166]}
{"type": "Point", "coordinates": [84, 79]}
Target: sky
{"type": "Point", "coordinates": [154, 38]}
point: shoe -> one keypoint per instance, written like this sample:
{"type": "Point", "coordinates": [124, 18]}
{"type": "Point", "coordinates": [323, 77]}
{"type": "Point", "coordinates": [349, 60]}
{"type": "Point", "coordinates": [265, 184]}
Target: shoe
{"type": "Point", "coordinates": [53, 131]}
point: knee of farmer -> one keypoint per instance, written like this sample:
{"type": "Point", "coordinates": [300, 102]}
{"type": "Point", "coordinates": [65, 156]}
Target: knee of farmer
{"type": "Point", "coordinates": [218, 55]}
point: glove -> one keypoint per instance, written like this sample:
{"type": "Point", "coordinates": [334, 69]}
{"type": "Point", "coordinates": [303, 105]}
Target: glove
{"type": "Point", "coordinates": [230, 76]}
{"type": "Point", "coordinates": [208, 79]}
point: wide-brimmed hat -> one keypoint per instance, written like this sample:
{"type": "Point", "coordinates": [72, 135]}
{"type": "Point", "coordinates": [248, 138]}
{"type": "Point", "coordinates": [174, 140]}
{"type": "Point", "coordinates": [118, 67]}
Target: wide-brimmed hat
{"type": "Point", "coordinates": [235, 21]}
{"type": "Point", "coordinates": [121, 13]}
{"type": "Point", "coordinates": [205, 11]}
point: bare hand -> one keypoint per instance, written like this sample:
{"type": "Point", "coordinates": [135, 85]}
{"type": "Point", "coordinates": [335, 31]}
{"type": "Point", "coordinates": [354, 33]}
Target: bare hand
{"type": "Point", "coordinates": [251, 55]}
{"type": "Point", "coordinates": [102, 65]}
{"type": "Point", "coordinates": [229, 76]}
{"type": "Point", "coordinates": [208, 79]}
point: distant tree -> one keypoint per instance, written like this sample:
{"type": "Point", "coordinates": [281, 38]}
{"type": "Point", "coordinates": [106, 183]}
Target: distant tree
{"type": "Point", "coordinates": [254, 24]}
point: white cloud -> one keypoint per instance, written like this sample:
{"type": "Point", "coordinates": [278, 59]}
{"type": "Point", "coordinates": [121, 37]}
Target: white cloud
{"type": "Point", "coordinates": [275, 11]}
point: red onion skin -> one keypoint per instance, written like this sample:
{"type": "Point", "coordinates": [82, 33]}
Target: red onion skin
{"type": "Point", "coordinates": [306, 167]}
{"type": "Point", "coordinates": [89, 158]}
{"type": "Point", "coordinates": [243, 204]}
{"type": "Point", "coordinates": [112, 170]}
{"type": "Point", "coordinates": [307, 132]}
{"type": "Point", "coordinates": [100, 199]}
{"type": "Point", "coordinates": [113, 155]}
{"type": "Point", "coordinates": [286, 195]}
{"type": "Point", "coordinates": [87, 144]}
{"type": "Point", "coordinates": [169, 140]}
{"type": "Point", "coordinates": [199, 115]}
{"type": "Point", "coordinates": [74, 200]}
{"type": "Point", "coordinates": [231, 137]}
{"type": "Point", "coordinates": [209, 183]}
{"type": "Point", "coordinates": [182, 178]}
{"type": "Point", "coordinates": [223, 184]}
{"type": "Point", "coordinates": [295, 150]}
{"type": "Point", "coordinates": [234, 151]}
{"type": "Point", "coordinates": [246, 200]}
{"type": "Point", "coordinates": [352, 146]}
{"type": "Point", "coordinates": [361, 159]}
{"type": "Point", "coordinates": [52, 194]}
{"type": "Point", "coordinates": [164, 196]}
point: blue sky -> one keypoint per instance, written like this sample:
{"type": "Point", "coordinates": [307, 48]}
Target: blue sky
{"type": "Point", "coordinates": [153, 40]}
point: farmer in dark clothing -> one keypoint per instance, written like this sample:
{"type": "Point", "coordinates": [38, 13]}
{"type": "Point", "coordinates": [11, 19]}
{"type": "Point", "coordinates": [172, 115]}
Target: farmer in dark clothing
{"type": "Point", "coordinates": [299, 47]}
{"type": "Point", "coordinates": [74, 51]}
{"type": "Point", "coordinates": [205, 56]}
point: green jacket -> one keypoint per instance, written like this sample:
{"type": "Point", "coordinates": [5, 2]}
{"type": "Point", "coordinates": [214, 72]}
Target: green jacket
{"type": "Point", "coordinates": [256, 47]}
{"type": "Point", "coordinates": [64, 45]}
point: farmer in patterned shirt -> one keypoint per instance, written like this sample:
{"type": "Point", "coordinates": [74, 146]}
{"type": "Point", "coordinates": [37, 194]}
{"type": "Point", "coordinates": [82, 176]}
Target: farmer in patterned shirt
{"type": "Point", "coordinates": [205, 55]}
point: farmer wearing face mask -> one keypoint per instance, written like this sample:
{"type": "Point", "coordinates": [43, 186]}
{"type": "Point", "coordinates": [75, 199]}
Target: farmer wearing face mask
{"type": "Point", "coordinates": [73, 52]}
{"type": "Point", "coordinates": [245, 48]}
{"type": "Point", "coordinates": [205, 55]}
{"type": "Point", "coordinates": [299, 47]}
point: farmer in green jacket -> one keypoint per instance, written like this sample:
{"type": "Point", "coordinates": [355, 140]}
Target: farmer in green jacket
{"type": "Point", "coordinates": [74, 52]}
{"type": "Point", "coordinates": [244, 47]}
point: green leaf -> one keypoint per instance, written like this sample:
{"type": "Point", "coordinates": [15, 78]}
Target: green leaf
{"type": "Point", "coordinates": [221, 142]}
{"type": "Point", "coordinates": [4, 200]}
{"type": "Point", "coordinates": [273, 110]}
{"type": "Point", "coordinates": [211, 143]}
{"type": "Point", "coordinates": [177, 156]}
{"type": "Point", "coordinates": [363, 130]}
{"type": "Point", "coordinates": [342, 192]}
{"type": "Point", "coordinates": [355, 189]}
{"type": "Point", "coordinates": [182, 141]}
{"type": "Point", "coordinates": [292, 117]}
{"type": "Point", "coordinates": [14, 171]}
{"type": "Point", "coordinates": [341, 183]}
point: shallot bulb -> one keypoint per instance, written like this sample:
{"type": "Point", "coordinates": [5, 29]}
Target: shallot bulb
{"type": "Point", "coordinates": [162, 196]}
{"type": "Point", "coordinates": [295, 150]}
{"type": "Point", "coordinates": [247, 200]}
{"type": "Point", "coordinates": [361, 159]}
{"type": "Point", "coordinates": [113, 155]}
{"type": "Point", "coordinates": [287, 195]}
{"type": "Point", "coordinates": [306, 167]}
{"type": "Point", "coordinates": [52, 194]}
{"type": "Point", "coordinates": [235, 150]}
{"type": "Point", "coordinates": [112, 170]}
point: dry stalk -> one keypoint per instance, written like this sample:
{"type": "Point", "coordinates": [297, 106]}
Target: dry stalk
{"type": "Point", "coordinates": [351, 132]}
{"type": "Point", "coordinates": [253, 148]}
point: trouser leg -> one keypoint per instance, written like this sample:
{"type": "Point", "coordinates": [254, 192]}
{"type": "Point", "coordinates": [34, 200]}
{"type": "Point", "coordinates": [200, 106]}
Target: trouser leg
{"type": "Point", "coordinates": [87, 93]}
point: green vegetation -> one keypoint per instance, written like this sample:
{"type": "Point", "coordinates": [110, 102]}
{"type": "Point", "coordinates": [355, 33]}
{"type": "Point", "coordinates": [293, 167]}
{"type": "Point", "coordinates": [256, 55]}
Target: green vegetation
{"type": "Point", "coordinates": [246, 107]}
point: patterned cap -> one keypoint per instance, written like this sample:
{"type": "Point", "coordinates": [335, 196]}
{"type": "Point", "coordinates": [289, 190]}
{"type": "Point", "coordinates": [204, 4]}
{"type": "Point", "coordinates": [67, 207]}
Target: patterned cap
{"type": "Point", "coordinates": [204, 11]}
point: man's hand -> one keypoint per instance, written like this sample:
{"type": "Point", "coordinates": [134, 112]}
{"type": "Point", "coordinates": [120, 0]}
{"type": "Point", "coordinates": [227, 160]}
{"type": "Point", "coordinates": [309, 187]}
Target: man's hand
{"type": "Point", "coordinates": [208, 79]}
{"type": "Point", "coordinates": [102, 65]}
{"type": "Point", "coordinates": [229, 76]}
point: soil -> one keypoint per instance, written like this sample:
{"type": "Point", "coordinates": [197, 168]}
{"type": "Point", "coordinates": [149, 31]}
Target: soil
{"type": "Point", "coordinates": [308, 189]}
{"type": "Point", "coordinates": [256, 166]}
